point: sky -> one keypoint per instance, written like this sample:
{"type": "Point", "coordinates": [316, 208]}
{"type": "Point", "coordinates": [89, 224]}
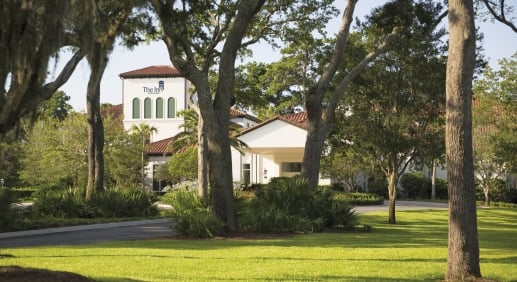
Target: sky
{"type": "Point", "coordinates": [500, 42]}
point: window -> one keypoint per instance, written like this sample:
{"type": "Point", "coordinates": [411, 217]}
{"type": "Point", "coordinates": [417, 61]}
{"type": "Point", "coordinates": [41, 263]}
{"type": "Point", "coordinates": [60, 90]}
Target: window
{"type": "Point", "coordinates": [159, 108]}
{"type": "Point", "coordinates": [171, 108]}
{"type": "Point", "coordinates": [291, 167]}
{"type": "Point", "coordinates": [246, 174]}
{"type": "Point", "coordinates": [147, 108]}
{"type": "Point", "coordinates": [136, 108]}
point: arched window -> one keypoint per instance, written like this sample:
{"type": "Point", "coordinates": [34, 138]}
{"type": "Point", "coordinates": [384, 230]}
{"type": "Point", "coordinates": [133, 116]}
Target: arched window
{"type": "Point", "coordinates": [171, 108]}
{"type": "Point", "coordinates": [147, 108]}
{"type": "Point", "coordinates": [159, 108]}
{"type": "Point", "coordinates": [136, 108]}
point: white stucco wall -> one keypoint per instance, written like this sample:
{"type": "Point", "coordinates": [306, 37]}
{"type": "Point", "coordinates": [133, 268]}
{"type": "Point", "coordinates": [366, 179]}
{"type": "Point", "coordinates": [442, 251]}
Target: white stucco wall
{"type": "Point", "coordinates": [143, 88]}
{"type": "Point", "coordinates": [276, 134]}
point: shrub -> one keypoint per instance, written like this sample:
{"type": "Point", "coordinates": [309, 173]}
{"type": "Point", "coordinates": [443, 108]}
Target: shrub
{"type": "Point", "coordinates": [191, 216]}
{"type": "Point", "coordinates": [71, 202]}
{"type": "Point", "coordinates": [416, 186]}
{"type": "Point", "coordinates": [24, 192]}
{"type": "Point", "coordinates": [378, 186]}
{"type": "Point", "coordinates": [359, 199]}
{"type": "Point", "coordinates": [8, 216]}
{"type": "Point", "coordinates": [288, 205]}
{"type": "Point", "coordinates": [117, 202]}
{"type": "Point", "coordinates": [57, 202]}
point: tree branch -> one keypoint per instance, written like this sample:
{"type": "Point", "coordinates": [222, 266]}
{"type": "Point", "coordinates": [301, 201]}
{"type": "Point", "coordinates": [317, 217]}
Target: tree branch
{"type": "Point", "coordinates": [501, 18]}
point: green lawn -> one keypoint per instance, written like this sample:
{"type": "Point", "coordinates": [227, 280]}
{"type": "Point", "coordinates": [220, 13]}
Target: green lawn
{"type": "Point", "coordinates": [413, 250]}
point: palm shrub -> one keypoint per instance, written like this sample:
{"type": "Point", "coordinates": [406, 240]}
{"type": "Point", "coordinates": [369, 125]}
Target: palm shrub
{"type": "Point", "coordinates": [110, 203]}
{"type": "Point", "coordinates": [118, 202]}
{"type": "Point", "coordinates": [289, 205]}
{"type": "Point", "coordinates": [191, 215]}
{"type": "Point", "coordinates": [61, 202]}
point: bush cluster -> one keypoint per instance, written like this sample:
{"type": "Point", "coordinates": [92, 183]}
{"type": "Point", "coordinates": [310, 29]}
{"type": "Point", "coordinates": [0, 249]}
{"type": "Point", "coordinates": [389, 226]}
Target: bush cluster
{"type": "Point", "coordinates": [191, 215]}
{"type": "Point", "coordinates": [359, 199]}
{"type": "Point", "coordinates": [7, 215]}
{"type": "Point", "coordinates": [289, 205]}
{"type": "Point", "coordinates": [500, 192]}
{"type": "Point", "coordinates": [416, 186]}
{"type": "Point", "coordinates": [71, 203]}
{"type": "Point", "coordinates": [283, 205]}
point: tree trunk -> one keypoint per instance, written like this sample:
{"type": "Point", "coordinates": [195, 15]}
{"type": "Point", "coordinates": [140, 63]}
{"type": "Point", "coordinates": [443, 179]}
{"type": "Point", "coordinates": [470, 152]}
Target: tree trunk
{"type": "Point", "coordinates": [392, 195]}
{"type": "Point", "coordinates": [433, 181]}
{"type": "Point", "coordinates": [463, 249]}
{"type": "Point", "coordinates": [486, 191]}
{"type": "Point", "coordinates": [220, 171]}
{"type": "Point", "coordinates": [202, 162]}
{"type": "Point", "coordinates": [98, 61]}
{"type": "Point", "coordinates": [316, 135]}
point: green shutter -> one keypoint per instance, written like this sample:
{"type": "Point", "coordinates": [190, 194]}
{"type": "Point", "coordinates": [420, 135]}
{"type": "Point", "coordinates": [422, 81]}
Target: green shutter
{"type": "Point", "coordinates": [136, 108]}
{"type": "Point", "coordinates": [159, 108]}
{"type": "Point", "coordinates": [171, 108]}
{"type": "Point", "coordinates": [147, 108]}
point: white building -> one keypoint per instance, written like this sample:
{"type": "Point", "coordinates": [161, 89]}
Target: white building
{"type": "Point", "coordinates": [154, 95]}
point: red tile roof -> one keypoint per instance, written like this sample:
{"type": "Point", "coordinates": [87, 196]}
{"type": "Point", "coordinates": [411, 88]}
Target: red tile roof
{"type": "Point", "coordinates": [160, 147]}
{"type": "Point", "coordinates": [298, 119]}
{"type": "Point", "coordinates": [234, 113]}
{"type": "Point", "coordinates": [152, 71]}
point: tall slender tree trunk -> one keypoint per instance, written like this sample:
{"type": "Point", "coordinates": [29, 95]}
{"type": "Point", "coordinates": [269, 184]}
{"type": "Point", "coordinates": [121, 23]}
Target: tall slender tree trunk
{"type": "Point", "coordinates": [433, 180]}
{"type": "Point", "coordinates": [98, 61]}
{"type": "Point", "coordinates": [463, 249]}
{"type": "Point", "coordinates": [202, 162]}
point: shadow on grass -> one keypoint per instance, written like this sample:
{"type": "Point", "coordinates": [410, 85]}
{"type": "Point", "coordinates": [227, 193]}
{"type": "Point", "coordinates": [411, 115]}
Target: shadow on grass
{"type": "Point", "coordinates": [116, 279]}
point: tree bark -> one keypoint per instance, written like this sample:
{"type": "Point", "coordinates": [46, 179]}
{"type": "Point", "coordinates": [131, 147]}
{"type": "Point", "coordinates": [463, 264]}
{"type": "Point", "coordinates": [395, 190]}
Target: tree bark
{"type": "Point", "coordinates": [202, 161]}
{"type": "Point", "coordinates": [98, 60]}
{"type": "Point", "coordinates": [433, 180]}
{"type": "Point", "coordinates": [392, 195]}
{"type": "Point", "coordinates": [463, 248]}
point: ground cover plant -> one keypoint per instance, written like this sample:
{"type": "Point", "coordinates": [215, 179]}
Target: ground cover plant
{"type": "Point", "coordinates": [413, 250]}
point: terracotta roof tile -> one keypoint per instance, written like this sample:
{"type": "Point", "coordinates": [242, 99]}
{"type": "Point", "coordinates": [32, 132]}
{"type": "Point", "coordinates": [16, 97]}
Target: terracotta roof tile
{"type": "Point", "coordinates": [234, 113]}
{"type": "Point", "coordinates": [159, 147]}
{"type": "Point", "coordinates": [298, 119]}
{"type": "Point", "coordinates": [152, 71]}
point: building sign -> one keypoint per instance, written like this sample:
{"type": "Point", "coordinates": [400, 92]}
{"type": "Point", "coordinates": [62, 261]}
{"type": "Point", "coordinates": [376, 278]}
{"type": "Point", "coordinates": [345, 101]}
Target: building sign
{"type": "Point", "coordinates": [155, 90]}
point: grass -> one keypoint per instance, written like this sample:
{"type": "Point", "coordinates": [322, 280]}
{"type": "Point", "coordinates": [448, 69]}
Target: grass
{"type": "Point", "coordinates": [413, 250]}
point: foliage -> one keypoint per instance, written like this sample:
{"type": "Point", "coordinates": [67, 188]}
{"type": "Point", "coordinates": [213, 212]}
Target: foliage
{"type": "Point", "coordinates": [494, 119]}
{"type": "Point", "coordinates": [8, 216]}
{"type": "Point", "coordinates": [346, 166]}
{"type": "Point", "coordinates": [55, 151]}
{"type": "Point", "coordinates": [120, 202]}
{"type": "Point", "coordinates": [191, 216]}
{"type": "Point", "coordinates": [71, 203]}
{"type": "Point", "coordinates": [500, 191]}
{"type": "Point", "coordinates": [10, 151]}
{"type": "Point", "coordinates": [288, 205]}
{"type": "Point", "coordinates": [121, 153]}
{"type": "Point", "coordinates": [416, 186]}
{"type": "Point", "coordinates": [32, 34]}
{"type": "Point", "coordinates": [359, 199]}
{"type": "Point", "coordinates": [183, 165]}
